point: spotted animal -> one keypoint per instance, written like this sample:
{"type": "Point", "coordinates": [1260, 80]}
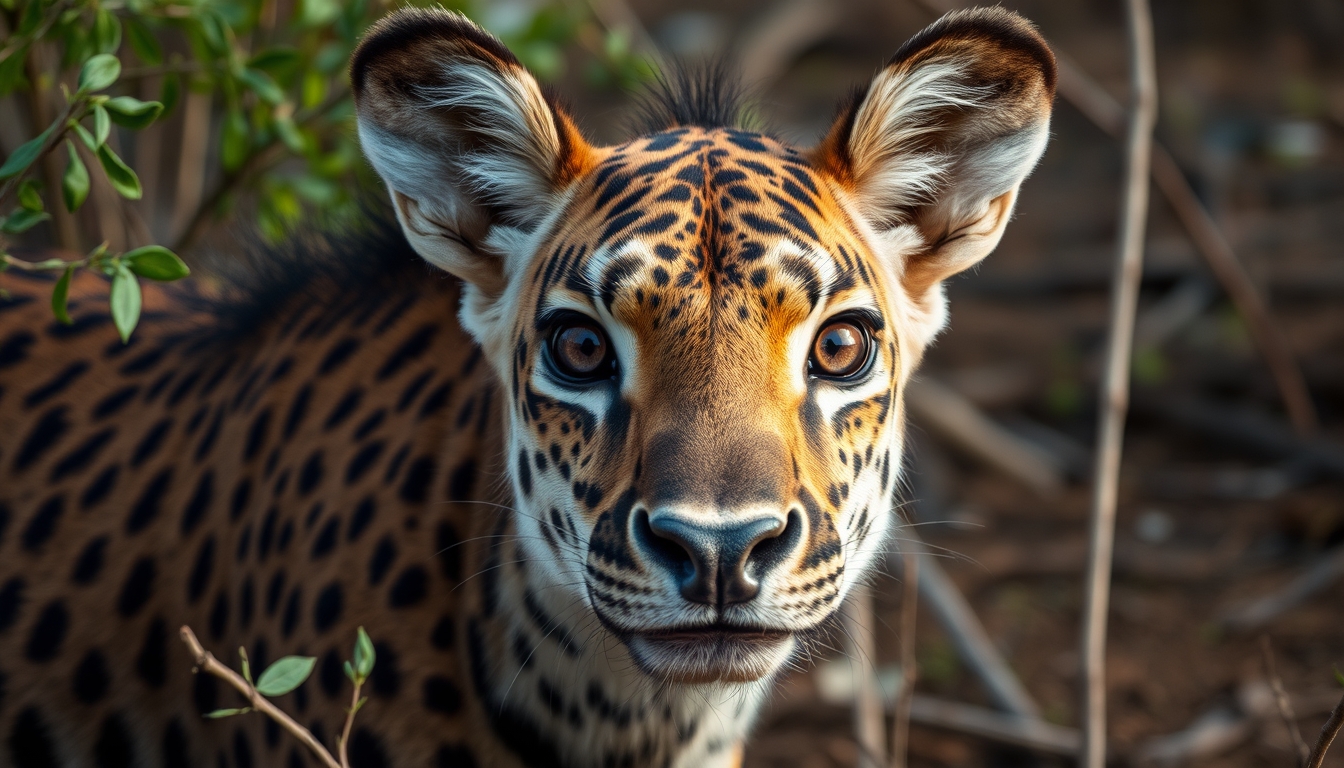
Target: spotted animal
{"type": "Point", "coordinates": [591, 478]}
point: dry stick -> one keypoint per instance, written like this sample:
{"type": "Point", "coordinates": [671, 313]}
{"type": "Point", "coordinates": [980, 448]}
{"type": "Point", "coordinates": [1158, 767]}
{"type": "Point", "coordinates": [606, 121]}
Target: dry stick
{"type": "Point", "coordinates": [857, 614]}
{"type": "Point", "coordinates": [1284, 704]}
{"type": "Point", "coordinates": [905, 697]}
{"type": "Point", "coordinates": [1090, 98]}
{"type": "Point", "coordinates": [205, 661]}
{"type": "Point", "coordinates": [1329, 731]}
{"type": "Point", "coordinates": [1115, 396]}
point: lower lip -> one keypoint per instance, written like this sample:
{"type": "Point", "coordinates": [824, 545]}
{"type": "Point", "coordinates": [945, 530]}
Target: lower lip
{"type": "Point", "coordinates": [716, 635]}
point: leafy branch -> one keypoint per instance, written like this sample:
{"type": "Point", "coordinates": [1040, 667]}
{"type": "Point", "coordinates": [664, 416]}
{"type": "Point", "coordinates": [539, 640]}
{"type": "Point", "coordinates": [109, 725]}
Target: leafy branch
{"type": "Point", "coordinates": [283, 677]}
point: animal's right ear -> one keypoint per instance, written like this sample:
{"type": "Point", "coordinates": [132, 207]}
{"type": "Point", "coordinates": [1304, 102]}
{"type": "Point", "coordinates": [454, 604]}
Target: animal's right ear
{"type": "Point", "coordinates": [464, 138]}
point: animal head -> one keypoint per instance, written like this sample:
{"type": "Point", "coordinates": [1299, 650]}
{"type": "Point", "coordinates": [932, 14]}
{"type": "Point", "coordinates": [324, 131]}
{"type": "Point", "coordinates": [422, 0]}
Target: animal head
{"type": "Point", "coordinates": [704, 333]}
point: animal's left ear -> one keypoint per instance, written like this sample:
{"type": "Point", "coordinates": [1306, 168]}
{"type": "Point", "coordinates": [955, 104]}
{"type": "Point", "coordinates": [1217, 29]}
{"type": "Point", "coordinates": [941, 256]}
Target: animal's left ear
{"type": "Point", "coordinates": [944, 135]}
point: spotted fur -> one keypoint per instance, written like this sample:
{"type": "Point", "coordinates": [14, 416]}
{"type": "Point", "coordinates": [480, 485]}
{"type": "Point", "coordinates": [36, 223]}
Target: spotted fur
{"type": "Point", "coordinates": [606, 572]}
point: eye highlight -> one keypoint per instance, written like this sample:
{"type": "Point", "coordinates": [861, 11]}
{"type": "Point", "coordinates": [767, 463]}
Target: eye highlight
{"type": "Point", "coordinates": [581, 351]}
{"type": "Point", "coordinates": [841, 349]}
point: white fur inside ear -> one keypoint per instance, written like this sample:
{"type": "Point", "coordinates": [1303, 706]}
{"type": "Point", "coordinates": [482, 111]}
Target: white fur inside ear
{"type": "Point", "coordinates": [890, 169]}
{"type": "Point", "coordinates": [510, 118]}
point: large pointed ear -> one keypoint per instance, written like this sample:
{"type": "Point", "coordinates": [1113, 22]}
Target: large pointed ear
{"type": "Point", "coordinates": [463, 136]}
{"type": "Point", "coordinates": [944, 135]}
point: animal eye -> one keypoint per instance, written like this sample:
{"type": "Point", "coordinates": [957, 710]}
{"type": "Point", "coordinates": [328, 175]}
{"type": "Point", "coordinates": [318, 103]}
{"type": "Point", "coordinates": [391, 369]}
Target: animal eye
{"type": "Point", "coordinates": [580, 350]}
{"type": "Point", "coordinates": [841, 350]}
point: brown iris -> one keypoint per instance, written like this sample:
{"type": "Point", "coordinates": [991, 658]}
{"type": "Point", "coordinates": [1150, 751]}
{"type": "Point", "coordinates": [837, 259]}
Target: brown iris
{"type": "Point", "coordinates": [581, 350]}
{"type": "Point", "coordinates": [840, 350]}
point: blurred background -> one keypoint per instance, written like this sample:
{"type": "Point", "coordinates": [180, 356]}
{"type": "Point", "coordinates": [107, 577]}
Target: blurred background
{"type": "Point", "coordinates": [1231, 520]}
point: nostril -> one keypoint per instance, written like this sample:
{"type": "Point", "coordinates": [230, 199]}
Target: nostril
{"type": "Point", "coordinates": [663, 547]}
{"type": "Point", "coordinates": [773, 549]}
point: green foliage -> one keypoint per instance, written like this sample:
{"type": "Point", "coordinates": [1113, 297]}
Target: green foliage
{"type": "Point", "coordinates": [284, 133]}
{"type": "Point", "coordinates": [285, 675]}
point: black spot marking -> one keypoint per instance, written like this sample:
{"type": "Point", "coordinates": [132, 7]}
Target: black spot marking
{"type": "Point", "coordinates": [11, 597]}
{"type": "Point", "coordinates": [91, 679]}
{"type": "Point", "coordinates": [199, 504]}
{"type": "Point", "coordinates": [360, 520]}
{"type": "Point", "coordinates": [90, 562]}
{"type": "Point", "coordinates": [326, 538]}
{"type": "Point", "coordinates": [81, 457]}
{"type": "Point", "coordinates": [201, 570]}
{"type": "Point", "coordinates": [410, 588]}
{"type": "Point", "coordinates": [449, 554]}
{"type": "Point", "coordinates": [311, 474]}
{"type": "Point", "coordinates": [175, 746]}
{"type": "Point", "coordinates": [415, 488]}
{"type": "Point", "coordinates": [327, 609]}
{"type": "Point", "coordinates": [138, 587]}
{"type": "Point", "coordinates": [411, 349]}
{"type": "Point", "coordinates": [444, 635]}
{"type": "Point", "coordinates": [43, 524]}
{"type": "Point", "coordinates": [152, 662]}
{"type": "Point", "coordinates": [45, 434]}
{"type": "Point", "coordinates": [101, 486]}
{"type": "Point", "coordinates": [48, 633]}
{"type": "Point", "coordinates": [343, 409]}
{"type": "Point", "coordinates": [151, 442]}
{"type": "Point", "coordinates": [29, 740]}
{"type": "Point", "coordinates": [442, 695]}
{"type": "Point", "coordinates": [366, 750]}
{"type": "Point", "coordinates": [147, 508]}
{"type": "Point", "coordinates": [363, 461]}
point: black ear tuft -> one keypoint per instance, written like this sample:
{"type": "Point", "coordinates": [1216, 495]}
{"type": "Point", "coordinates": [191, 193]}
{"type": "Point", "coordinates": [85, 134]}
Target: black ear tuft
{"type": "Point", "coordinates": [706, 94]}
{"type": "Point", "coordinates": [392, 45]}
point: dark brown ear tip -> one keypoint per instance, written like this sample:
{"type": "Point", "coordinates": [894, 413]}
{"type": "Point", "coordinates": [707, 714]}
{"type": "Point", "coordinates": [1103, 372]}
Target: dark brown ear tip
{"type": "Point", "coordinates": [997, 27]}
{"type": "Point", "coordinates": [402, 30]}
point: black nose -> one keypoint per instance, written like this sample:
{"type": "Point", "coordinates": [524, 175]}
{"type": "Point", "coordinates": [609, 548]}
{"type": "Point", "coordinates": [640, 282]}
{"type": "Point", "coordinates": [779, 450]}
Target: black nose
{"type": "Point", "coordinates": [717, 564]}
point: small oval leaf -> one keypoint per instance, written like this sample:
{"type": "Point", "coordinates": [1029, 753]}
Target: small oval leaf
{"type": "Point", "coordinates": [75, 182]}
{"type": "Point", "coordinates": [60, 296]}
{"type": "Point", "coordinates": [143, 42]}
{"type": "Point", "coordinates": [122, 177]}
{"type": "Point", "coordinates": [29, 197]}
{"type": "Point", "coordinates": [125, 299]}
{"type": "Point", "coordinates": [131, 112]}
{"type": "Point", "coordinates": [218, 713]}
{"type": "Point", "coordinates": [364, 654]}
{"type": "Point", "coordinates": [285, 675]}
{"type": "Point", "coordinates": [102, 125]}
{"type": "Point", "coordinates": [156, 263]}
{"type": "Point", "coordinates": [24, 156]}
{"type": "Point", "coordinates": [99, 72]}
{"type": "Point", "coordinates": [22, 220]}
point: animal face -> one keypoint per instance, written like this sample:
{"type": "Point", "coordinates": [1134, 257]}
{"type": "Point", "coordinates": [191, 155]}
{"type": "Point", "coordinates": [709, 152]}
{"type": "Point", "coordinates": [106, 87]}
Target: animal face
{"type": "Point", "coordinates": [703, 333]}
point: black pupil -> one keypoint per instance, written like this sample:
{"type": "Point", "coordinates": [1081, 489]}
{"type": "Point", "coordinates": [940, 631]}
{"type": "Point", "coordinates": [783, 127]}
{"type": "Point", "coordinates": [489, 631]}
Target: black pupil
{"type": "Point", "coordinates": [587, 341]}
{"type": "Point", "coordinates": [580, 349]}
{"type": "Point", "coordinates": [836, 339]}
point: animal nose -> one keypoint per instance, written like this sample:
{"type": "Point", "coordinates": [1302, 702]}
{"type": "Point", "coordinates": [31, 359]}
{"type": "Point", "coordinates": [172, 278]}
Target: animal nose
{"type": "Point", "coordinates": [717, 564]}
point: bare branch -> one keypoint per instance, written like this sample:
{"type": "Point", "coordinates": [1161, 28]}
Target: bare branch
{"type": "Point", "coordinates": [1115, 383]}
{"type": "Point", "coordinates": [1284, 703]}
{"type": "Point", "coordinates": [205, 661]}
{"type": "Point", "coordinates": [1329, 731]}
{"type": "Point", "coordinates": [905, 697]}
{"type": "Point", "coordinates": [857, 615]}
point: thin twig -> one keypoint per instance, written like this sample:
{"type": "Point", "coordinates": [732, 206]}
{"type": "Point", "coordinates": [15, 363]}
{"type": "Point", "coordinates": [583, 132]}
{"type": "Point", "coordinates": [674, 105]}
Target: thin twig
{"type": "Point", "coordinates": [973, 644]}
{"type": "Point", "coordinates": [857, 614]}
{"type": "Point", "coordinates": [1284, 703]}
{"type": "Point", "coordinates": [206, 662]}
{"type": "Point", "coordinates": [344, 744]}
{"type": "Point", "coordinates": [905, 697]}
{"type": "Point", "coordinates": [1261, 611]}
{"type": "Point", "coordinates": [1329, 731]}
{"type": "Point", "coordinates": [1115, 393]}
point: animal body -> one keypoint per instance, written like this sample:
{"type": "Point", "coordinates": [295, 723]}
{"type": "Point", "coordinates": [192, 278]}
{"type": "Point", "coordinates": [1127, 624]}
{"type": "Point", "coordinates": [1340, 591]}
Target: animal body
{"type": "Point", "coordinates": [590, 479]}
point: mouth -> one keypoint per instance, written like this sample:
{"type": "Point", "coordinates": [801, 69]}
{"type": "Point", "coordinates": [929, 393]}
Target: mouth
{"type": "Point", "coordinates": [710, 653]}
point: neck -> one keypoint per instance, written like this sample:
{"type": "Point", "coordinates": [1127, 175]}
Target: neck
{"type": "Point", "coordinates": [559, 689]}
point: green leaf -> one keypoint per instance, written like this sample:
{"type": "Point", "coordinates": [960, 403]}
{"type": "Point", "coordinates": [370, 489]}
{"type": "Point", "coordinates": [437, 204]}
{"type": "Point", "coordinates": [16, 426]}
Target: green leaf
{"type": "Point", "coordinates": [315, 13]}
{"type": "Point", "coordinates": [171, 92]}
{"type": "Point", "coordinates": [106, 31]}
{"type": "Point", "coordinates": [75, 182]}
{"type": "Point", "coordinates": [234, 141]}
{"type": "Point", "coordinates": [122, 177]}
{"type": "Point", "coordinates": [1339, 677]}
{"type": "Point", "coordinates": [60, 296]}
{"type": "Point", "coordinates": [364, 654]}
{"type": "Point", "coordinates": [133, 113]}
{"type": "Point", "coordinates": [125, 300]}
{"type": "Point", "coordinates": [99, 72]}
{"type": "Point", "coordinates": [84, 135]}
{"type": "Point", "coordinates": [22, 220]}
{"type": "Point", "coordinates": [218, 713]}
{"type": "Point", "coordinates": [29, 197]}
{"type": "Point", "coordinates": [350, 673]}
{"type": "Point", "coordinates": [261, 84]}
{"type": "Point", "coordinates": [24, 156]}
{"type": "Point", "coordinates": [247, 665]}
{"type": "Point", "coordinates": [102, 125]}
{"type": "Point", "coordinates": [143, 41]}
{"type": "Point", "coordinates": [32, 18]}
{"type": "Point", "coordinates": [156, 263]}
{"type": "Point", "coordinates": [289, 133]}
{"type": "Point", "coordinates": [285, 675]}
{"type": "Point", "coordinates": [314, 89]}
{"type": "Point", "coordinates": [213, 33]}
{"type": "Point", "coordinates": [11, 70]}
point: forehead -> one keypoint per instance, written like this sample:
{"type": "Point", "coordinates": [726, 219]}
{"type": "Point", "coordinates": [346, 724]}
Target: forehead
{"type": "Point", "coordinates": [708, 216]}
